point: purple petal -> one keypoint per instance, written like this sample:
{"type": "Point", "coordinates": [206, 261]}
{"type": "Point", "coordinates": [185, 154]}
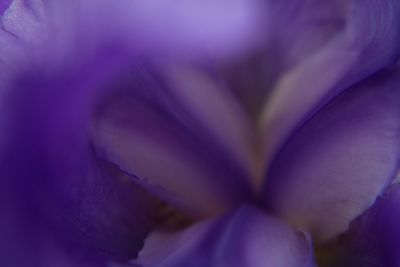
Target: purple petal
{"type": "Point", "coordinates": [21, 30]}
{"type": "Point", "coordinates": [374, 237]}
{"type": "Point", "coordinates": [215, 107]}
{"type": "Point", "coordinates": [153, 28]}
{"type": "Point", "coordinates": [297, 30]}
{"type": "Point", "coordinates": [245, 237]}
{"type": "Point", "coordinates": [25, 19]}
{"type": "Point", "coordinates": [340, 161]}
{"type": "Point", "coordinates": [154, 129]}
{"type": "Point", "coordinates": [4, 4]}
{"type": "Point", "coordinates": [369, 28]}
{"type": "Point", "coordinates": [308, 27]}
{"type": "Point", "coordinates": [195, 28]}
{"type": "Point", "coordinates": [363, 37]}
{"type": "Point", "coordinates": [219, 27]}
{"type": "Point", "coordinates": [59, 206]}
{"type": "Point", "coordinates": [107, 212]}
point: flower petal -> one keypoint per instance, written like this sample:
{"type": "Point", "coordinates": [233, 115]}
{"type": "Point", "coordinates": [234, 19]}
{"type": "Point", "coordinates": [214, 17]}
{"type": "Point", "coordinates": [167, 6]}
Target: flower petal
{"type": "Point", "coordinates": [57, 208]}
{"type": "Point", "coordinates": [219, 27]}
{"type": "Point", "coordinates": [340, 161]}
{"type": "Point", "coordinates": [196, 28]}
{"type": "Point", "coordinates": [21, 29]}
{"type": "Point", "coordinates": [4, 5]}
{"type": "Point", "coordinates": [297, 29]}
{"type": "Point", "coordinates": [25, 20]}
{"type": "Point", "coordinates": [215, 107]}
{"type": "Point", "coordinates": [61, 207]}
{"type": "Point", "coordinates": [365, 39]}
{"type": "Point", "coordinates": [245, 237]}
{"type": "Point", "coordinates": [168, 140]}
{"type": "Point", "coordinates": [374, 238]}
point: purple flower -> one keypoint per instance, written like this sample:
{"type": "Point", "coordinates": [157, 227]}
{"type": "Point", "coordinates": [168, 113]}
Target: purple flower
{"type": "Point", "coordinates": [199, 133]}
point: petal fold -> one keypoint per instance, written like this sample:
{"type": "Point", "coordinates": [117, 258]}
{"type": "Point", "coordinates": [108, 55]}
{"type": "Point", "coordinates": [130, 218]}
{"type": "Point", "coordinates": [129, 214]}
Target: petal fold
{"type": "Point", "coordinates": [334, 167]}
{"type": "Point", "coordinates": [344, 42]}
{"type": "Point", "coordinates": [155, 129]}
{"type": "Point", "coordinates": [60, 206]}
{"type": "Point", "coordinates": [244, 237]}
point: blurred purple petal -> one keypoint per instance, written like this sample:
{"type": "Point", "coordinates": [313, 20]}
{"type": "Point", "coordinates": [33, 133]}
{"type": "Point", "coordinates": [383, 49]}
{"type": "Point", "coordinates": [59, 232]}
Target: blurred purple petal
{"type": "Point", "coordinates": [4, 4]}
{"type": "Point", "coordinates": [154, 129]}
{"type": "Point", "coordinates": [21, 29]}
{"type": "Point", "coordinates": [340, 161]}
{"type": "Point", "coordinates": [25, 19]}
{"type": "Point", "coordinates": [59, 208]}
{"type": "Point", "coordinates": [344, 42]}
{"type": "Point", "coordinates": [245, 237]}
{"type": "Point", "coordinates": [219, 27]}
{"type": "Point", "coordinates": [197, 28]}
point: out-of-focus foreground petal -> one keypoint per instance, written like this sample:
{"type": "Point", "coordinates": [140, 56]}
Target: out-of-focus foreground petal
{"type": "Point", "coordinates": [344, 42]}
{"type": "Point", "coordinates": [374, 237]}
{"type": "Point", "coordinates": [21, 28]}
{"type": "Point", "coordinates": [181, 135]}
{"type": "Point", "coordinates": [196, 28]}
{"type": "Point", "coordinates": [200, 29]}
{"type": "Point", "coordinates": [244, 237]}
{"type": "Point", "coordinates": [333, 169]}
{"type": "Point", "coordinates": [57, 203]}
{"type": "Point", "coordinates": [4, 5]}
{"type": "Point", "coordinates": [59, 206]}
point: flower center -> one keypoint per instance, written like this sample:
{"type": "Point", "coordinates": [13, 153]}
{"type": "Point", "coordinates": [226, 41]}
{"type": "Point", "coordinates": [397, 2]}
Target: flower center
{"type": "Point", "coordinates": [170, 219]}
